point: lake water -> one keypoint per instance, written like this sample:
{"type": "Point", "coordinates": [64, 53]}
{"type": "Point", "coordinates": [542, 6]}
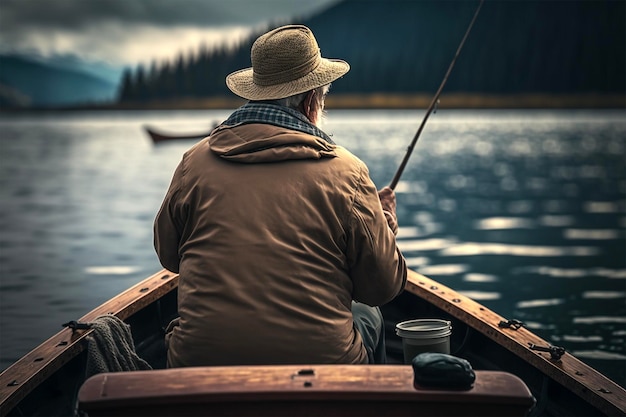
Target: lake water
{"type": "Point", "coordinates": [524, 211]}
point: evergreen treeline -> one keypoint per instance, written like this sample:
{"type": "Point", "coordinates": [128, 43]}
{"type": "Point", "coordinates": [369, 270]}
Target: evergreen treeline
{"type": "Point", "coordinates": [405, 46]}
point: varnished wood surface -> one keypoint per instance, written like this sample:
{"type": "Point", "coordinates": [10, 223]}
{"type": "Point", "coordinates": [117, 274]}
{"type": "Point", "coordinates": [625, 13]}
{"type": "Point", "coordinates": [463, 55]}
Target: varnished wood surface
{"type": "Point", "coordinates": [23, 376]}
{"type": "Point", "coordinates": [204, 390]}
{"type": "Point", "coordinates": [577, 376]}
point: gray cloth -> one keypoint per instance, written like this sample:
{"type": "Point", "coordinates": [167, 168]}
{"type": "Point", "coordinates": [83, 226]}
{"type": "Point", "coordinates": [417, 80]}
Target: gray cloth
{"type": "Point", "coordinates": [368, 321]}
{"type": "Point", "coordinates": [110, 347]}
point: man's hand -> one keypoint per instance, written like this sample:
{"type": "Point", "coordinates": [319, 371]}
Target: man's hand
{"type": "Point", "coordinates": [388, 200]}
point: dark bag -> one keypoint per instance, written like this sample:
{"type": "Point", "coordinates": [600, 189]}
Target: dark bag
{"type": "Point", "coordinates": [439, 370]}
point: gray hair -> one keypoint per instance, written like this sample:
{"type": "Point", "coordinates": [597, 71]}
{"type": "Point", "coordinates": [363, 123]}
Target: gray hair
{"type": "Point", "coordinates": [293, 102]}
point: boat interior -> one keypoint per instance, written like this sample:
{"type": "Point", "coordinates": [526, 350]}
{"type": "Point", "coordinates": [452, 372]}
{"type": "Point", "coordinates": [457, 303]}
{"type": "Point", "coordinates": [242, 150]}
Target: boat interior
{"type": "Point", "coordinates": [319, 389]}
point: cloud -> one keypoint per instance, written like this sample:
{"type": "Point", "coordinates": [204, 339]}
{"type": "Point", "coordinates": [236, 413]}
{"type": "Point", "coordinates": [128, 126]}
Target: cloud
{"type": "Point", "coordinates": [119, 45]}
{"type": "Point", "coordinates": [79, 14]}
{"type": "Point", "coordinates": [133, 31]}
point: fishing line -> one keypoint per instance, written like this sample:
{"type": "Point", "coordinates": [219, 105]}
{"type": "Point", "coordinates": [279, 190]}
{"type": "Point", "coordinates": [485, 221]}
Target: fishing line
{"type": "Point", "coordinates": [434, 101]}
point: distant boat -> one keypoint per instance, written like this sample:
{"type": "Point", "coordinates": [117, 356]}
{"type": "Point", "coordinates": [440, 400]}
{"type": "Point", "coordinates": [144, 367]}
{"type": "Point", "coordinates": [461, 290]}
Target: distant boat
{"type": "Point", "coordinates": [158, 137]}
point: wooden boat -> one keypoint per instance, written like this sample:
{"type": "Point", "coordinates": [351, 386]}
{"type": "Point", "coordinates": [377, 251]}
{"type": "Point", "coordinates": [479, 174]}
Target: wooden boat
{"type": "Point", "coordinates": [514, 370]}
{"type": "Point", "coordinates": [160, 137]}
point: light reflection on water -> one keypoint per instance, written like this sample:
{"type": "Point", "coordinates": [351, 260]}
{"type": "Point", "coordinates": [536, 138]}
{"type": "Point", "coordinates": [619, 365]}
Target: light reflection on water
{"type": "Point", "coordinates": [604, 294]}
{"type": "Point", "coordinates": [556, 221]}
{"type": "Point", "coordinates": [593, 234]}
{"type": "Point", "coordinates": [572, 272]}
{"type": "Point", "coordinates": [597, 354]}
{"type": "Point", "coordinates": [474, 277]}
{"type": "Point", "coordinates": [523, 211]}
{"type": "Point", "coordinates": [504, 223]}
{"type": "Point", "coordinates": [487, 248]}
{"type": "Point", "coordinates": [539, 303]}
{"type": "Point", "coordinates": [481, 295]}
{"type": "Point", "coordinates": [600, 319]}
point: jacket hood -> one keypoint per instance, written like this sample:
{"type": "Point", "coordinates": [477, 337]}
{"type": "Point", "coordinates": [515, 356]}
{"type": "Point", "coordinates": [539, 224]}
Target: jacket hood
{"type": "Point", "coordinates": [262, 143]}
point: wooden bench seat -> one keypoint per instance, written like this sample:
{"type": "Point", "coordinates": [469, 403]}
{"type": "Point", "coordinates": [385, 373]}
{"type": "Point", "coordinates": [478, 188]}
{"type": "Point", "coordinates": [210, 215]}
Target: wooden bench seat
{"type": "Point", "coordinates": [316, 390]}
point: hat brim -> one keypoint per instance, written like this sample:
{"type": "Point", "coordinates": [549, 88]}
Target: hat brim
{"type": "Point", "coordinates": [241, 82]}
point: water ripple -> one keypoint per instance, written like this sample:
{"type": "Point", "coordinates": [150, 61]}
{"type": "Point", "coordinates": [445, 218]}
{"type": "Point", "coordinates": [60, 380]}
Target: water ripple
{"type": "Point", "coordinates": [111, 270]}
{"type": "Point", "coordinates": [556, 220]}
{"type": "Point", "coordinates": [601, 207]}
{"type": "Point", "coordinates": [573, 272]}
{"type": "Point", "coordinates": [604, 294]}
{"type": "Point", "coordinates": [539, 303]}
{"type": "Point", "coordinates": [598, 354]}
{"type": "Point", "coordinates": [417, 261]}
{"type": "Point", "coordinates": [495, 223]}
{"type": "Point", "coordinates": [481, 295]}
{"type": "Point", "coordinates": [533, 325]}
{"type": "Point", "coordinates": [424, 244]}
{"type": "Point", "coordinates": [581, 339]}
{"type": "Point", "coordinates": [599, 319]}
{"type": "Point", "coordinates": [476, 248]}
{"type": "Point", "coordinates": [451, 269]}
{"type": "Point", "coordinates": [475, 277]}
{"type": "Point", "coordinates": [592, 234]}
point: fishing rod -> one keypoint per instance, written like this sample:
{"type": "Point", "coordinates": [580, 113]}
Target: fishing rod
{"type": "Point", "coordinates": [435, 100]}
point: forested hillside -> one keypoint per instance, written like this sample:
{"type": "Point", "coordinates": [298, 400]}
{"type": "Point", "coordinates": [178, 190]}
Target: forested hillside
{"type": "Point", "coordinates": [405, 46]}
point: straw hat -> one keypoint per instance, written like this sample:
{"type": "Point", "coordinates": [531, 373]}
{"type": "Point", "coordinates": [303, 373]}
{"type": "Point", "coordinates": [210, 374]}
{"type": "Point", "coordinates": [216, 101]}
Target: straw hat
{"type": "Point", "coordinates": [285, 61]}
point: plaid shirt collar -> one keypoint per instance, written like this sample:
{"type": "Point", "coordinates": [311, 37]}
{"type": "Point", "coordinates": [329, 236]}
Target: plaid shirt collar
{"type": "Point", "coordinates": [274, 115]}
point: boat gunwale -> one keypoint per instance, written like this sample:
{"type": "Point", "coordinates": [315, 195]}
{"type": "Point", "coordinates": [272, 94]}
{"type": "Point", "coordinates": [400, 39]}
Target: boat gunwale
{"type": "Point", "coordinates": [584, 381]}
{"type": "Point", "coordinates": [23, 376]}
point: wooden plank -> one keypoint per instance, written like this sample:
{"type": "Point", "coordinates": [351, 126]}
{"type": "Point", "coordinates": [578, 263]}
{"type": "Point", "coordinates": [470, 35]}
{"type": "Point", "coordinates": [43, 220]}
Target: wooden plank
{"type": "Point", "coordinates": [25, 375]}
{"type": "Point", "coordinates": [583, 380]}
{"type": "Point", "coordinates": [297, 390]}
{"type": "Point", "coordinates": [22, 377]}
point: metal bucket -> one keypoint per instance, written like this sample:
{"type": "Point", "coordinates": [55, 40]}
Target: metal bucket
{"type": "Point", "coordinates": [424, 335]}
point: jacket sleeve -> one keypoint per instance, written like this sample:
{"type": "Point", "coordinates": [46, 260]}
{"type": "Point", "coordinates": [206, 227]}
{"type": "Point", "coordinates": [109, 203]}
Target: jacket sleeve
{"type": "Point", "coordinates": [169, 223]}
{"type": "Point", "coordinates": [377, 267]}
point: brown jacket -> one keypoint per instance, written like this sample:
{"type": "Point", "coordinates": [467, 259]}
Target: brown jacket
{"type": "Point", "coordinates": [274, 232]}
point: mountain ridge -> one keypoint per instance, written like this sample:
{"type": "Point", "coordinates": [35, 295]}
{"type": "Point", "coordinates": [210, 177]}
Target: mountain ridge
{"type": "Point", "coordinates": [519, 53]}
{"type": "Point", "coordinates": [32, 82]}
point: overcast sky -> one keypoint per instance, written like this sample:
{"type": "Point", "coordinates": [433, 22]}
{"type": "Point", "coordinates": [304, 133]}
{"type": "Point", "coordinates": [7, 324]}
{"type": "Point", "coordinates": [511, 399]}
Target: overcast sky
{"type": "Point", "coordinates": [123, 32]}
